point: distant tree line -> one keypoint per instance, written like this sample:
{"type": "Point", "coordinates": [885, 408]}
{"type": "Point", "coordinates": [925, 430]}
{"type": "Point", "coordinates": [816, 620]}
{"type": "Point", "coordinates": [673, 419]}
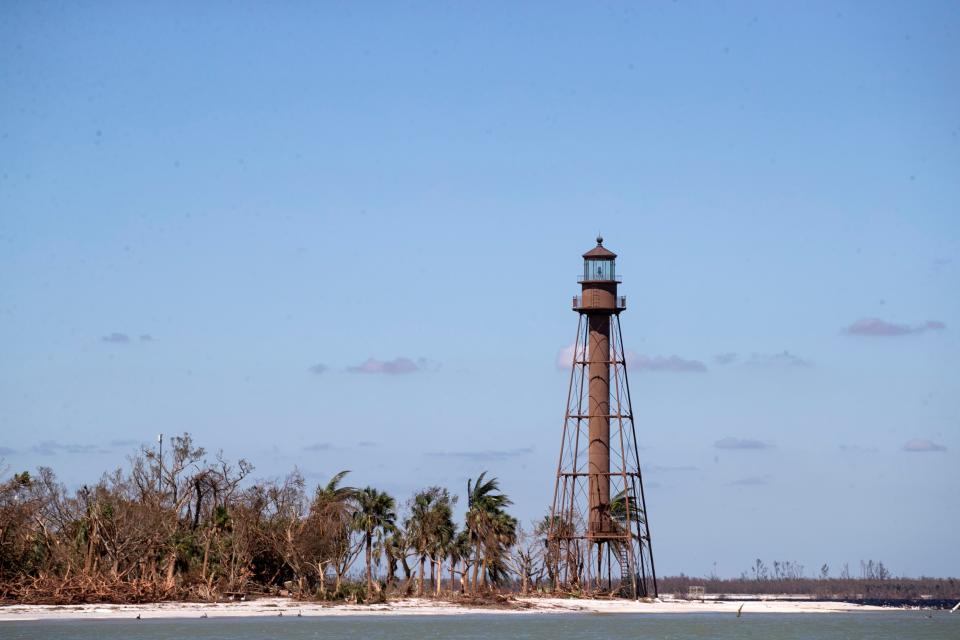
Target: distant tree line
{"type": "Point", "coordinates": [873, 581]}
{"type": "Point", "coordinates": [182, 526]}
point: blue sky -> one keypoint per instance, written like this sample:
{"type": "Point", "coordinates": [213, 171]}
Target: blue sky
{"type": "Point", "coordinates": [335, 235]}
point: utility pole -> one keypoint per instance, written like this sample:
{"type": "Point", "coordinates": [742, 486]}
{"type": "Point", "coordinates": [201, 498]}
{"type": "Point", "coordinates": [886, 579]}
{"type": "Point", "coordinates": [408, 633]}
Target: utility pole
{"type": "Point", "coordinates": [160, 466]}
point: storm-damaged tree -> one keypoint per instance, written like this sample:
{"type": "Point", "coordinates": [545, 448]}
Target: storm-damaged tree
{"type": "Point", "coordinates": [550, 530]}
{"type": "Point", "coordinates": [525, 559]}
{"type": "Point", "coordinates": [331, 521]}
{"type": "Point", "coordinates": [459, 554]}
{"type": "Point", "coordinates": [396, 547]}
{"type": "Point", "coordinates": [490, 529]}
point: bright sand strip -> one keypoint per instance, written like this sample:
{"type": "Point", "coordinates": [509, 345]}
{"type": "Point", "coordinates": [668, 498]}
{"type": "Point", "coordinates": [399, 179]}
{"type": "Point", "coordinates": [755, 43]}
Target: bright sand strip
{"type": "Point", "coordinates": [266, 607]}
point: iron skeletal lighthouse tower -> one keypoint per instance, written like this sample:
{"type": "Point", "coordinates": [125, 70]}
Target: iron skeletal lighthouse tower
{"type": "Point", "coordinates": [598, 537]}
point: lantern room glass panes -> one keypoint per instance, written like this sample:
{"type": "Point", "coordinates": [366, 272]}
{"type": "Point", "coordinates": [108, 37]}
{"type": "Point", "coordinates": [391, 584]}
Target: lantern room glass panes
{"type": "Point", "coordinates": [598, 270]}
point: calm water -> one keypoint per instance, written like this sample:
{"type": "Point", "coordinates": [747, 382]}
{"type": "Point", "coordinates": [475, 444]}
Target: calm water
{"type": "Point", "coordinates": [913, 625]}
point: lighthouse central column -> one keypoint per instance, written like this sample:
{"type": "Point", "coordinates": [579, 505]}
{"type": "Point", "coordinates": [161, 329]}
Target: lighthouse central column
{"type": "Point", "coordinates": [599, 424]}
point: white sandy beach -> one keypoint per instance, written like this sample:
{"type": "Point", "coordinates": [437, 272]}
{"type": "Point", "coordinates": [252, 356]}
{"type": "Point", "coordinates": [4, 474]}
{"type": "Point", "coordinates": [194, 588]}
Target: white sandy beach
{"type": "Point", "coordinates": [266, 607]}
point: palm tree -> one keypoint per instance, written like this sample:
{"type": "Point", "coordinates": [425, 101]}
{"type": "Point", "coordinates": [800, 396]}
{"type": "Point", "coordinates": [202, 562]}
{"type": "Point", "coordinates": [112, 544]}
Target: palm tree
{"type": "Point", "coordinates": [503, 535]}
{"type": "Point", "coordinates": [396, 547]}
{"type": "Point", "coordinates": [459, 551]}
{"type": "Point", "coordinates": [430, 527]}
{"type": "Point", "coordinates": [620, 504]}
{"type": "Point", "coordinates": [332, 512]}
{"type": "Point", "coordinates": [443, 533]}
{"type": "Point", "coordinates": [630, 523]}
{"type": "Point", "coordinates": [485, 505]}
{"type": "Point", "coordinates": [375, 518]}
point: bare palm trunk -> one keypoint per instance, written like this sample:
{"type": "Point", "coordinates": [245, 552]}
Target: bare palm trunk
{"type": "Point", "coordinates": [476, 569]}
{"type": "Point", "coordinates": [407, 573]}
{"type": "Point", "coordinates": [420, 576]}
{"type": "Point", "coordinates": [439, 579]}
{"type": "Point", "coordinates": [391, 569]}
{"type": "Point", "coordinates": [369, 544]}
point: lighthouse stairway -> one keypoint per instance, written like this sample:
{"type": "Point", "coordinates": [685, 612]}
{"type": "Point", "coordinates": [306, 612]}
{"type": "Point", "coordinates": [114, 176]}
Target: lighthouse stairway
{"type": "Point", "coordinates": [626, 582]}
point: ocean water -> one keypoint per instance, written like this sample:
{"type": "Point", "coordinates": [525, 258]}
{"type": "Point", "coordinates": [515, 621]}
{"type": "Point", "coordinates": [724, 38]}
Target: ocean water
{"type": "Point", "coordinates": [912, 625]}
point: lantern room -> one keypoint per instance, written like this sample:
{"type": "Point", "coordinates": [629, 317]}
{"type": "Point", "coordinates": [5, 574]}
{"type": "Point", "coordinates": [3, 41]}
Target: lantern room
{"type": "Point", "coordinates": [599, 264]}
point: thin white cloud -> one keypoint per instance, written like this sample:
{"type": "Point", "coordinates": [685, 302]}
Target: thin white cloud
{"type": "Point", "coordinates": [318, 446]}
{"type": "Point", "coordinates": [741, 443]}
{"type": "Point", "coordinates": [752, 481]}
{"type": "Point", "coordinates": [655, 468]}
{"type": "Point", "coordinates": [855, 448]}
{"type": "Point", "coordinates": [564, 358]}
{"type": "Point", "coordinates": [637, 362]}
{"type": "Point", "coordinates": [490, 455]}
{"type": "Point", "coordinates": [674, 364]}
{"type": "Point", "coordinates": [782, 359]}
{"type": "Point", "coordinates": [125, 442]}
{"type": "Point", "coordinates": [397, 366]}
{"type": "Point", "coordinates": [52, 447]}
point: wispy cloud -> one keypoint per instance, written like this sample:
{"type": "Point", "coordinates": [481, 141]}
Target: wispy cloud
{"type": "Point", "coordinates": [638, 362]}
{"type": "Point", "coordinates": [741, 443]}
{"type": "Point", "coordinates": [146, 337]}
{"type": "Point", "coordinates": [7, 451]}
{"type": "Point", "coordinates": [397, 366]}
{"type": "Point", "coordinates": [922, 445]}
{"type": "Point", "coordinates": [367, 444]}
{"type": "Point", "coordinates": [317, 368]}
{"type": "Point", "coordinates": [674, 364]}
{"type": "Point", "coordinates": [855, 448]}
{"type": "Point", "coordinates": [875, 327]}
{"type": "Point", "coordinates": [52, 447]}
{"type": "Point", "coordinates": [489, 455]}
{"type": "Point", "coordinates": [725, 358]}
{"type": "Point", "coordinates": [782, 359]}
{"type": "Point", "coordinates": [318, 446]}
{"type": "Point", "coordinates": [564, 358]}
{"type": "Point", "coordinates": [655, 468]}
{"type": "Point", "coordinates": [116, 338]}
{"type": "Point", "coordinates": [752, 481]}
{"type": "Point", "coordinates": [125, 442]}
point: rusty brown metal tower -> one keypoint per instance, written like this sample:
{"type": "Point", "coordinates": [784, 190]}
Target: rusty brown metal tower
{"type": "Point", "coordinates": [599, 537]}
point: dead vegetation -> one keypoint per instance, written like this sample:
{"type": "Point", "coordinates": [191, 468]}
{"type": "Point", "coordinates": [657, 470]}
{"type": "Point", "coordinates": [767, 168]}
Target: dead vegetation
{"type": "Point", "coordinates": [191, 528]}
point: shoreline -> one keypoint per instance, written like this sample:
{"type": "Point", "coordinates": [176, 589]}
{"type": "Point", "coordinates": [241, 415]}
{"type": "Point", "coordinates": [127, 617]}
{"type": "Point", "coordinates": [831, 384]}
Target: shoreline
{"type": "Point", "coordinates": [530, 605]}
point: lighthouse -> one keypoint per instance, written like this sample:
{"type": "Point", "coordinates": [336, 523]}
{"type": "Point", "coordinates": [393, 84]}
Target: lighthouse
{"type": "Point", "coordinates": [598, 533]}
